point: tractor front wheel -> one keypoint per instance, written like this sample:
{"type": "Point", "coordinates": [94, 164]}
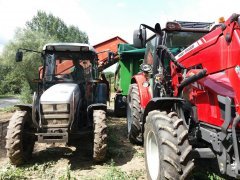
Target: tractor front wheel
{"type": "Point", "coordinates": [168, 154]}
{"type": "Point", "coordinates": [100, 135]}
{"type": "Point", "coordinates": [20, 138]}
{"type": "Point", "coordinates": [134, 124]}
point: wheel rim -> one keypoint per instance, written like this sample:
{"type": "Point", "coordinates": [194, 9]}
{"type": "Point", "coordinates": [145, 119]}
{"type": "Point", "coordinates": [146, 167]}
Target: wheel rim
{"type": "Point", "coordinates": [152, 155]}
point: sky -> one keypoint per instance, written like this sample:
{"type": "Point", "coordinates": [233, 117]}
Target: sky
{"type": "Point", "coordinates": [104, 19]}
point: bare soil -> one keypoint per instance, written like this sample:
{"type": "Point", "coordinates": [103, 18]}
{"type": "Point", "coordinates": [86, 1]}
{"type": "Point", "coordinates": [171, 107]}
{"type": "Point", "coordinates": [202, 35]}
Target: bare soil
{"type": "Point", "coordinates": [52, 161]}
{"type": "Point", "coordinates": [4, 118]}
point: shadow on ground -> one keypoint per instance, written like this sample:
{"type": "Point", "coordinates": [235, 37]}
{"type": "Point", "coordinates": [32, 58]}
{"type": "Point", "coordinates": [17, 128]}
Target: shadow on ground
{"type": "Point", "coordinates": [120, 151]}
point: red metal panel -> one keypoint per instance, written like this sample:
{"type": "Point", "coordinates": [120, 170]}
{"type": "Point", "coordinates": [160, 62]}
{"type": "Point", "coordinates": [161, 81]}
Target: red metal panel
{"type": "Point", "coordinates": [215, 53]}
{"type": "Point", "coordinates": [110, 44]}
{"type": "Point", "coordinates": [219, 53]}
{"type": "Point", "coordinates": [144, 92]}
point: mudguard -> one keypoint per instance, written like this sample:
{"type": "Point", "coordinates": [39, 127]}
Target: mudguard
{"type": "Point", "coordinates": [92, 107]}
{"type": "Point", "coordinates": [31, 111]}
{"type": "Point", "coordinates": [144, 93]}
{"type": "Point", "coordinates": [163, 104]}
{"type": "Point", "coordinates": [24, 107]}
{"type": "Point", "coordinates": [96, 107]}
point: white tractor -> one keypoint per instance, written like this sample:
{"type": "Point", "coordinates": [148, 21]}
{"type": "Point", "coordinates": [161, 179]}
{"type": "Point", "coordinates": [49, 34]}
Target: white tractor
{"type": "Point", "coordinates": [70, 102]}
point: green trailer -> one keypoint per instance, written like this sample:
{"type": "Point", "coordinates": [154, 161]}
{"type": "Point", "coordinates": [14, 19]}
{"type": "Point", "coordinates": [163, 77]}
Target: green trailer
{"type": "Point", "coordinates": [128, 65]}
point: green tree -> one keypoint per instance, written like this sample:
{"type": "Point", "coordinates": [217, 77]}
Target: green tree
{"type": "Point", "coordinates": [25, 95]}
{"type": "Point", "coordinates": [75, 35]}
{"type": "Point", "coordinates": [42, 29]}
{"type": "Point", "coordinates": [27, 70]}
{"type": "Point", "coordinates": [4, 69]}
{"type": "Point", "coordinates": [54, 26]}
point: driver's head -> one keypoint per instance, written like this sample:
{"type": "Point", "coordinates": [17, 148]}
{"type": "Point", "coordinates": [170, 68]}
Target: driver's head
{"type": "Point", "coordinates": [76, 62]}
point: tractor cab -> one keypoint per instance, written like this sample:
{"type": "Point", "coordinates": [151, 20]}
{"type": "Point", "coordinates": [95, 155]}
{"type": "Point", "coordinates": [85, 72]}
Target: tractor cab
{"type": "Point", "coordinates": [58, 57]}
{"type": "Point", "coordinates": [175, 37]}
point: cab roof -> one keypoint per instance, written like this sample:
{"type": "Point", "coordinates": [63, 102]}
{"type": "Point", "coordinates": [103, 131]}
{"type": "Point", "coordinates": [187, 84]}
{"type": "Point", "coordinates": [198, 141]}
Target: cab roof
{"type": "Point", "coordinates": [188, 26]}
{"type": "Point", "coordinates": [68, 47]}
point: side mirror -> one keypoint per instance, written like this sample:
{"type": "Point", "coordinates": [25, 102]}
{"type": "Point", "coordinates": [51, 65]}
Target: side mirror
{"type": "Point", "coordinates": [139, 38]}
{"type": "Point", "coordinates": [158, 29]}
{"type": "Point", "coordinates": [19, 56]}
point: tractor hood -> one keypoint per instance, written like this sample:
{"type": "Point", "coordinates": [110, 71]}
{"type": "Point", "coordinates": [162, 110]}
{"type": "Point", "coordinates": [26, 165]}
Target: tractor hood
{"type": "Point", "coordinates": [60, 93]}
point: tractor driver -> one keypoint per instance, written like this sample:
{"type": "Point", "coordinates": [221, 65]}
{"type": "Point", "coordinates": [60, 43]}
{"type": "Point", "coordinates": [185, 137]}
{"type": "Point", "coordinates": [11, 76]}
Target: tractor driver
{"type": "Point", "coordinates": [77, 72]}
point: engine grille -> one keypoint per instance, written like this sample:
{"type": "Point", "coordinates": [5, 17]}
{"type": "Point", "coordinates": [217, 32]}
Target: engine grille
{"type": "Point", "coordinates": [55, 115]}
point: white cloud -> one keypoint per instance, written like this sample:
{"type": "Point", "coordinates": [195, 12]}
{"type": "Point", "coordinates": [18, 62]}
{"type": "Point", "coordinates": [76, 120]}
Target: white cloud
{"type": "Point", "coordinates": [121, 4]}
{"type": "Point", "coordinates": [15, 14]}
{"type": "Point", "coordinates": [12, 15]}
{"type": "Point", "coordinates": [101, 23]}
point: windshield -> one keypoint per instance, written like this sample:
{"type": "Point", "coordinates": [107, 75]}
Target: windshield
{"type": "Point", "coordinates": [180, 39]}
{"type": "Point", "coordinates": [62, 66]}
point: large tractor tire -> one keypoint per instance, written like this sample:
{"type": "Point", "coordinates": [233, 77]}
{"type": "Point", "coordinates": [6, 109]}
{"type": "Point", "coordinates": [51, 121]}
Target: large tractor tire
{"type": "Point", "coordinates": [168, 154]}
{"type": "Point", "coordinates": [134, 124]}
{"type": "Point", "coordinates": [20, 138]}
{"type": "Point", "coordinates": [100, 135]}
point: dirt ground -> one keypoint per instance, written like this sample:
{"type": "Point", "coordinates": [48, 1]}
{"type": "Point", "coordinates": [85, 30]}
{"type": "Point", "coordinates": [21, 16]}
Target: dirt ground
{"type": "Point", "coordinates": [56, 161]}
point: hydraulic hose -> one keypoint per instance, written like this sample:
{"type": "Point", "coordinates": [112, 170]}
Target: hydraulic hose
{"type": "Point", "coordinates": [191, 79]}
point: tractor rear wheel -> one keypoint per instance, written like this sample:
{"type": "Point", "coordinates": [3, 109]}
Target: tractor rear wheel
{"type": "Point", "coordinates": [20, 138]}
{"type": "Point", "coordinates": [134, 112]}
{"type": "Point", "coordinates": [100, 135]}
{"type": "Point", "coordinates": [168, 154]}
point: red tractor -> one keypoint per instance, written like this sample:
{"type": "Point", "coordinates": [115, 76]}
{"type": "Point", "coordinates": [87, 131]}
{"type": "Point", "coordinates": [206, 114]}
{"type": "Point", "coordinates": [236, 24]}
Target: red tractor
{"type": "Point", "coordinates": [176, 36]}
{"type": "Point", "coordinates": [194, 112]}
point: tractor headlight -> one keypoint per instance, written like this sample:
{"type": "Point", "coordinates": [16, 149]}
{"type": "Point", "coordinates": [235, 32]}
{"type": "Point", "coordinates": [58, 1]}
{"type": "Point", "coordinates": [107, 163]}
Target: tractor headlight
{"type": "Point", "coordinates": [47, 107]}
{"type": "Point", "coordinates": [62, 107]}
{"type": "Point", "coordinates": [146, 84]}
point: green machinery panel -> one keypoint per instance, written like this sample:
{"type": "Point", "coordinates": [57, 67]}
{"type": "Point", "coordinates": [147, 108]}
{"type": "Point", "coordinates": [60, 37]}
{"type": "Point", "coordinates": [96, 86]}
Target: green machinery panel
{"type": "Point", "coordinates": [130, 60]}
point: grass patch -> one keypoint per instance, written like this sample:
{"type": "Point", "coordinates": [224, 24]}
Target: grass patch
{"type": "Point", "coordinates": [11, 173]}
{"type": "Point", "coordinates": [139, 154]}
{"type": "Point", "coordinates": [36, 171]}
{"type": "Point", "coordinates": [8, 109]}
{"type": "Point", "coordinates": [8, 96]}
{"type": "Point", "coordinates": [114, 172]}
{"type": "Point", "coordinates": [206, 175]}
{"type": "Point", "coordinates": [214, 176]}
{"type": "Point", "coordinates": [136, 174]}
{"type": "Point", "coordinates": [67, 175]}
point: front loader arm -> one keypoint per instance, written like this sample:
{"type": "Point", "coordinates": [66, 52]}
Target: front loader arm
{"type": "Point", "coordinates": [218, 51]}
